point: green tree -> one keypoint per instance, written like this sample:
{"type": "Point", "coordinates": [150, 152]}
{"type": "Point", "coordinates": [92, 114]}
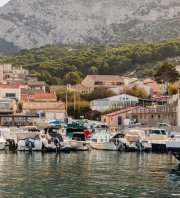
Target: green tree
{"type": "Point", "coordinates": [167, 74]}
{"type": "Point", "coordinates": [98, 93]}
{"type": "Point", "coordinates": [172, 89]}
{"type": "Point", "coordinates": [135, 91]}
{"type": "Point", "coordinates": [72, 78]}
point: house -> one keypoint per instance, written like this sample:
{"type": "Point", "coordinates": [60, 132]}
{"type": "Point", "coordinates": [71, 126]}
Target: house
{"type": "Point", "coordinates": [116, 119]}
{"type": "Point", "coordinates": [48, 110]}
{"type": "Point", "coordinates": [72, 88]}
{"type": "Point", "coordinates": [114, 102]}
{"type": "Point", "coordinates": [12, 75]}
{"type": "Point", "coordinates": [7, 106]}
{"type": "Point", "coordinates": [37, 85]}
{"type": "Point", "coordinates": [43, 104]}
{"type": "Point", "coordinates": [10, 91]}
{"type": "Point", "coordinates": [157, 89]}
{"type": "Point", "coordinates": [107, 81]}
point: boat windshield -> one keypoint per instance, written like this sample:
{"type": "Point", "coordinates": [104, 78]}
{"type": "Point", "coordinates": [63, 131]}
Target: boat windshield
{"type": "Point", "coordinates": [163, 132]}
{"type": "Point", "coordinates": [158, 132]}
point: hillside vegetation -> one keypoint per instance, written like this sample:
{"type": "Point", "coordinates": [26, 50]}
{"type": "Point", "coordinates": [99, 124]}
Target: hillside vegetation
{"type": "Point", "coordinates": [52, 62]}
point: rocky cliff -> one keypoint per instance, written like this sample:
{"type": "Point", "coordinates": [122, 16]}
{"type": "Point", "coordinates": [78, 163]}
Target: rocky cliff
{"type": "Point", "coordinates": [33, 23]}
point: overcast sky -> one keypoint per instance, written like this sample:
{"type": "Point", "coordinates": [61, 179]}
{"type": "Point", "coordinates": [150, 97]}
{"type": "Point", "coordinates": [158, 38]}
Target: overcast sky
{"type": "Point", "coordinates": [2, 2]}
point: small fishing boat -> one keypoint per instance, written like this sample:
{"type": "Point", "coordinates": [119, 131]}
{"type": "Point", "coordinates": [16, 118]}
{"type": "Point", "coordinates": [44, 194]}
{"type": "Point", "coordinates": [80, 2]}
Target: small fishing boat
{"type": "Point", "coordinates": [79, 141]}
{"type": "Point", "coordinates": [104, 141]}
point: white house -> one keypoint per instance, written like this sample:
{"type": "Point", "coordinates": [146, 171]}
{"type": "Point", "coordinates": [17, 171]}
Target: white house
{"type": "Point", "coordinates": [10, 91]}
{"type": "Point", "coordinates": [114, 102]}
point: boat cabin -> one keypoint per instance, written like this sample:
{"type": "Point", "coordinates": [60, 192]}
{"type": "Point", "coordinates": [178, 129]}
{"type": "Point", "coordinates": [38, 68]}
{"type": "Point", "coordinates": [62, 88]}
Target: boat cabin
{"type": "Point", "coordinates": [79, 136]}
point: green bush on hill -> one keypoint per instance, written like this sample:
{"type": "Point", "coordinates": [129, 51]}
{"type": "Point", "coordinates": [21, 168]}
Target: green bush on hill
{"type": "Point", "coordinates": [52, 62]}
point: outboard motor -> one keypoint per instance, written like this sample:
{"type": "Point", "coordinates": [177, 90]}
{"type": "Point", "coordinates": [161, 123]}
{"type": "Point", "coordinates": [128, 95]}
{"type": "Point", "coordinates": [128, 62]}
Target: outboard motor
{"type": "Point", "coordinates": [57, 143]}
{"type": "Point", "coordinates": [13, 145]}
{"type": "Point", "coordinates": [139, 145]}
{"type": "Point", "coordinates": [29, 144]}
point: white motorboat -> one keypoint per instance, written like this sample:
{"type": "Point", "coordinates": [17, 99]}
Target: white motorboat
{"type": "Point", "coordinates": [173, 146]}
{"type": "Point", "coordinates": [137, 140]}
{"type": "Point", "coordinates": [52, 140]}
{"type": "Point", "coordinates": [103, 141]}
{"type": "Point", "coordinates": [157, 138]}
{"type": "Point", "coordinates": [26, 142]}
{"type": "Point", "coordinates": [79, 142]}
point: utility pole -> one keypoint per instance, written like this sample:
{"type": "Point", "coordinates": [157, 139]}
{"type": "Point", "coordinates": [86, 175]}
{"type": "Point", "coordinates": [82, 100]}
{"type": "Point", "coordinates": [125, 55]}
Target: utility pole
{"type": "Point", "coordinates": [74, 101]}
{"type": "Point", "coordinates": [66, 100]}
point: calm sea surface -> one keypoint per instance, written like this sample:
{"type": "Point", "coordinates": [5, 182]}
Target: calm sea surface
{"type": "Point", "coordinates": [88, 174]}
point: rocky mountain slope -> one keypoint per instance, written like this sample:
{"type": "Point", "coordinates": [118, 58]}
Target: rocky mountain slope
{"type": "Point", "coordinates": [33, 23]}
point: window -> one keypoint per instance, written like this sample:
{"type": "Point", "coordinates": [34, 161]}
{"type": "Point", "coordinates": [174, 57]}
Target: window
{"type": "Point", "coordinates": [98, 83]}
{"type": "Point", "coordinates": [159, 116]}
{"type": "Point", "coordinates": [10, 95]}
{"type": "Point", "coordinates": [119, 120]}
{"type": "Point", "coordinates": [152, 116]}
{"type": "Point", "coordinates": [119, 83]}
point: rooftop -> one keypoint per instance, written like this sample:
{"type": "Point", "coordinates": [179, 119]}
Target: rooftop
{"type": "Point", "coordinates": [123, 111]}
{"type": "Point", "coordinates": [9, 86]}
{"type": "Point", "coordinates": [37, 83]}
{"type": "Point", "coordinates": [108, 78]}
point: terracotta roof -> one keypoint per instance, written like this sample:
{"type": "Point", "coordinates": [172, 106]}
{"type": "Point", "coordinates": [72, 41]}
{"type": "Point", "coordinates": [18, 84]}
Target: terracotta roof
{"type": "Point", "coordinates": [108, 78]}
{"type": "Point", "coordinates": [123, 111]}
{"type": "Point", "coordinates": [44, 96]}
{"type": "Point", "coordinates": [9, 86]}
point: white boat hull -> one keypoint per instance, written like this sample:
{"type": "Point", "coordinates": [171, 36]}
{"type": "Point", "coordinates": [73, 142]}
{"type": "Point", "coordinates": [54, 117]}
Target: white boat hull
{"type": "Point", "coordinates": [22, 145]}
{"type": "Point", "coordinates": [79, 145]}
{"type": "Point", "coordinates": [110, 146]}
{"type": "Point", "coordinates": [2, 145]}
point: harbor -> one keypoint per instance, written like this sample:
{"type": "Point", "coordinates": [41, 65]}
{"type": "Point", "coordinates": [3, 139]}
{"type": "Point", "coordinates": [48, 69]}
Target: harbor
{"type": "Point", "coordinates": [88, 174]}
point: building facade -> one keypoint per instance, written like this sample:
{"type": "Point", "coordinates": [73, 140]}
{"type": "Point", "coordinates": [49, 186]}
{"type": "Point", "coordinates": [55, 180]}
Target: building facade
{"type": "Point", "coordinates": [114, 102]}
{"type": "Point", "coordinates": [107, 81]}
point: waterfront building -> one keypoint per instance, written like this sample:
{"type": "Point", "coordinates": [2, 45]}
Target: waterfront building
{"type": "Point", "coordinates": [116, 119]}
{"type": "Point", "coordinates": [114, 102]}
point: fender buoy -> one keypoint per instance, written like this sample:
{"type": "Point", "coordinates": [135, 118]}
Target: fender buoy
{"type": "Point", "coordinates": [116, 142]}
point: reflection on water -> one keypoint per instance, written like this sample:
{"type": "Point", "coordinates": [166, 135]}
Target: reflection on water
{"type": "Point", "coordinates": [88, 174]}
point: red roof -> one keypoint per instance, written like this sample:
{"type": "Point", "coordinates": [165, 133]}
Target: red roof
{"type": "Point", "coordinates": [8, 86]}
{"type": "Point", "coordinates": [123, 111]}
{"type": "Point", "coordinates": [44, 96]}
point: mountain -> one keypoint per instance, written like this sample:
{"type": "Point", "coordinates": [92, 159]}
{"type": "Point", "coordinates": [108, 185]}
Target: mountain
{"type": "Point", "coordinates": [26, 24]}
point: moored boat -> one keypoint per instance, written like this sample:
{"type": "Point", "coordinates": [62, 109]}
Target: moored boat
{"type": "Point", "coordinates": [173, 146]}
{"type": "Point", "coordinates": [103, 141]}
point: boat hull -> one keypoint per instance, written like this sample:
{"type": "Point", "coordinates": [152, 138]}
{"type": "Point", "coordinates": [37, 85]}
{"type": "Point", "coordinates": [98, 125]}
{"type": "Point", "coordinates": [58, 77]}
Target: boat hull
{"type": "Point", "coordinates": [109, 146]}
{"type": "Point", "coordinates": [2, 145]}
{"type": "Point", "coordinates": [22, 145]}
{"type": "Point", "coordinates": [159, 147]}
{"type": "Point", "coordinates": [79, 145]}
